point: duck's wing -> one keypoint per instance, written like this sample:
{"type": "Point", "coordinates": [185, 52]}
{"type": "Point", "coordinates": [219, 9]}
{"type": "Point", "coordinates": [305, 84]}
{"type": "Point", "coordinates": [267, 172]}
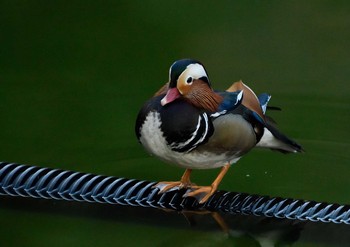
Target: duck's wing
{"type": "Point", "coordinates": [272, 137]}
{"type": "Point", "coordinates": [230, 101]}
{"type": "Point", "coordinates": [264, 99]}
{"type": "Point", "coordinates": [250, 100]}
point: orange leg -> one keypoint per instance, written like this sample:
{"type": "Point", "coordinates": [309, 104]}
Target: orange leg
{"type": "Point", "coordinates": [209, 190]}
{"type": "Point", "coordinates": [184, 182]}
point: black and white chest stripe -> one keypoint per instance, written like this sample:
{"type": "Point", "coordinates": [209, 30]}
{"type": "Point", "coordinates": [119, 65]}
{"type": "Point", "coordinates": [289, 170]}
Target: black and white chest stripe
{"type": "Point", "coordinates": [185, 126]}
{"type": "Point", "coordinates": [182, 126]}
{"type": "Point", "coordinates": [200, 134]}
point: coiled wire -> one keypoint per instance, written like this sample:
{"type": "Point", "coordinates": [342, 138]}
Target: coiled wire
{"type": "Point", "coordinates": [48, 183]}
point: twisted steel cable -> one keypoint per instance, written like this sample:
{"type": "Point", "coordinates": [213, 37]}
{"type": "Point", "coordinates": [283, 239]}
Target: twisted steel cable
{"type": "Point", "coordinates": [48, 183]}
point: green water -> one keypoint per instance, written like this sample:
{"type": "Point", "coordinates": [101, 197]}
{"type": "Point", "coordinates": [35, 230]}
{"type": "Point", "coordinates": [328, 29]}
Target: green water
{"type": "Point", "coordinates": [73, 75]}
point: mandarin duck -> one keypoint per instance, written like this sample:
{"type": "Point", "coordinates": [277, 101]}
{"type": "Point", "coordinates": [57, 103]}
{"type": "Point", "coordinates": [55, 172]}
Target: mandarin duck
{"type": "Point", "coordinates": [188, 124]}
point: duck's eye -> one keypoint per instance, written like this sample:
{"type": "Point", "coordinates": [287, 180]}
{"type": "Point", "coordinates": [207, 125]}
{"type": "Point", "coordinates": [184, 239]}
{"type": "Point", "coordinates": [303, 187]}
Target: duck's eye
{"type": "Point", "coordinates": [189, 79]}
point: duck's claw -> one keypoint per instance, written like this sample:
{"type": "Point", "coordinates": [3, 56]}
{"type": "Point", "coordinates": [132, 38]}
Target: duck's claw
{"type": "Point", "coordinates": [166, 186]}
{"type": "Point", "coordinates": [185, 182]}
{"type": "Point", "coordinates": [201, 193]}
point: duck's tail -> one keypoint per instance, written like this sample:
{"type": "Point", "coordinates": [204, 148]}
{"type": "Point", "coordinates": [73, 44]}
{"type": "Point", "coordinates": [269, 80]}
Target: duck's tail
{"type": "Point", "coordinates": [273, 138]}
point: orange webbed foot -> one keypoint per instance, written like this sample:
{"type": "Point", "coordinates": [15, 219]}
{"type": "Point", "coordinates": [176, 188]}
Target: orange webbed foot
{"type": "Point", "coordinates": [201, 193]}
{"type": "Point", "coordinates": [183, 183]}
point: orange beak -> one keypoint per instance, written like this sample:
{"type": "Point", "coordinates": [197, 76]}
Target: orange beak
{"type": "Point", "coordinates": [171, 95]}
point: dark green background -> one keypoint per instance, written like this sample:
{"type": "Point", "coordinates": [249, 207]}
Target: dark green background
{"type": "Point", "coordinates": [73, 75]}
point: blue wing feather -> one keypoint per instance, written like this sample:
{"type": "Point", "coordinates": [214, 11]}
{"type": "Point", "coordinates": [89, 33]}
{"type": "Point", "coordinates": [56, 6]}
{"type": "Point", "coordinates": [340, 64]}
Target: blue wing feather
{"type": "Point", "coordinates": [231, 100]}
{"type": "Point", "coordinates": [264, 99]}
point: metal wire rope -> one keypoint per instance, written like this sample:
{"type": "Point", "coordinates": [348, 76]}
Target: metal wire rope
{"type": "Point", "coordinates": [48, 183]}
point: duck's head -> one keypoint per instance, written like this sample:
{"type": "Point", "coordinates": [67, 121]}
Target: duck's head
{"type": "Point", "coordinates": [188, 79]}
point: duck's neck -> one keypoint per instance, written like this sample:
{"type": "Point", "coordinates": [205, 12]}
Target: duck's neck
{"type": "Point", "coordinates": [202, 96]}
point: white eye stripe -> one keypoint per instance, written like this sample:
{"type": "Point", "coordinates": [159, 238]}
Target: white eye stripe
{"type": "Point", "coordinates": [196, 71]}
{"type": "Point", "coordinates": [193, 71]}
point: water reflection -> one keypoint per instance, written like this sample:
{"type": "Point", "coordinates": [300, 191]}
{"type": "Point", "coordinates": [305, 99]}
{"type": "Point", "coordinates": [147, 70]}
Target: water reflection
{"type": "Point", "coordinates": [206, 228]}
{"type": "Point", "coordinates": [263, 231]}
